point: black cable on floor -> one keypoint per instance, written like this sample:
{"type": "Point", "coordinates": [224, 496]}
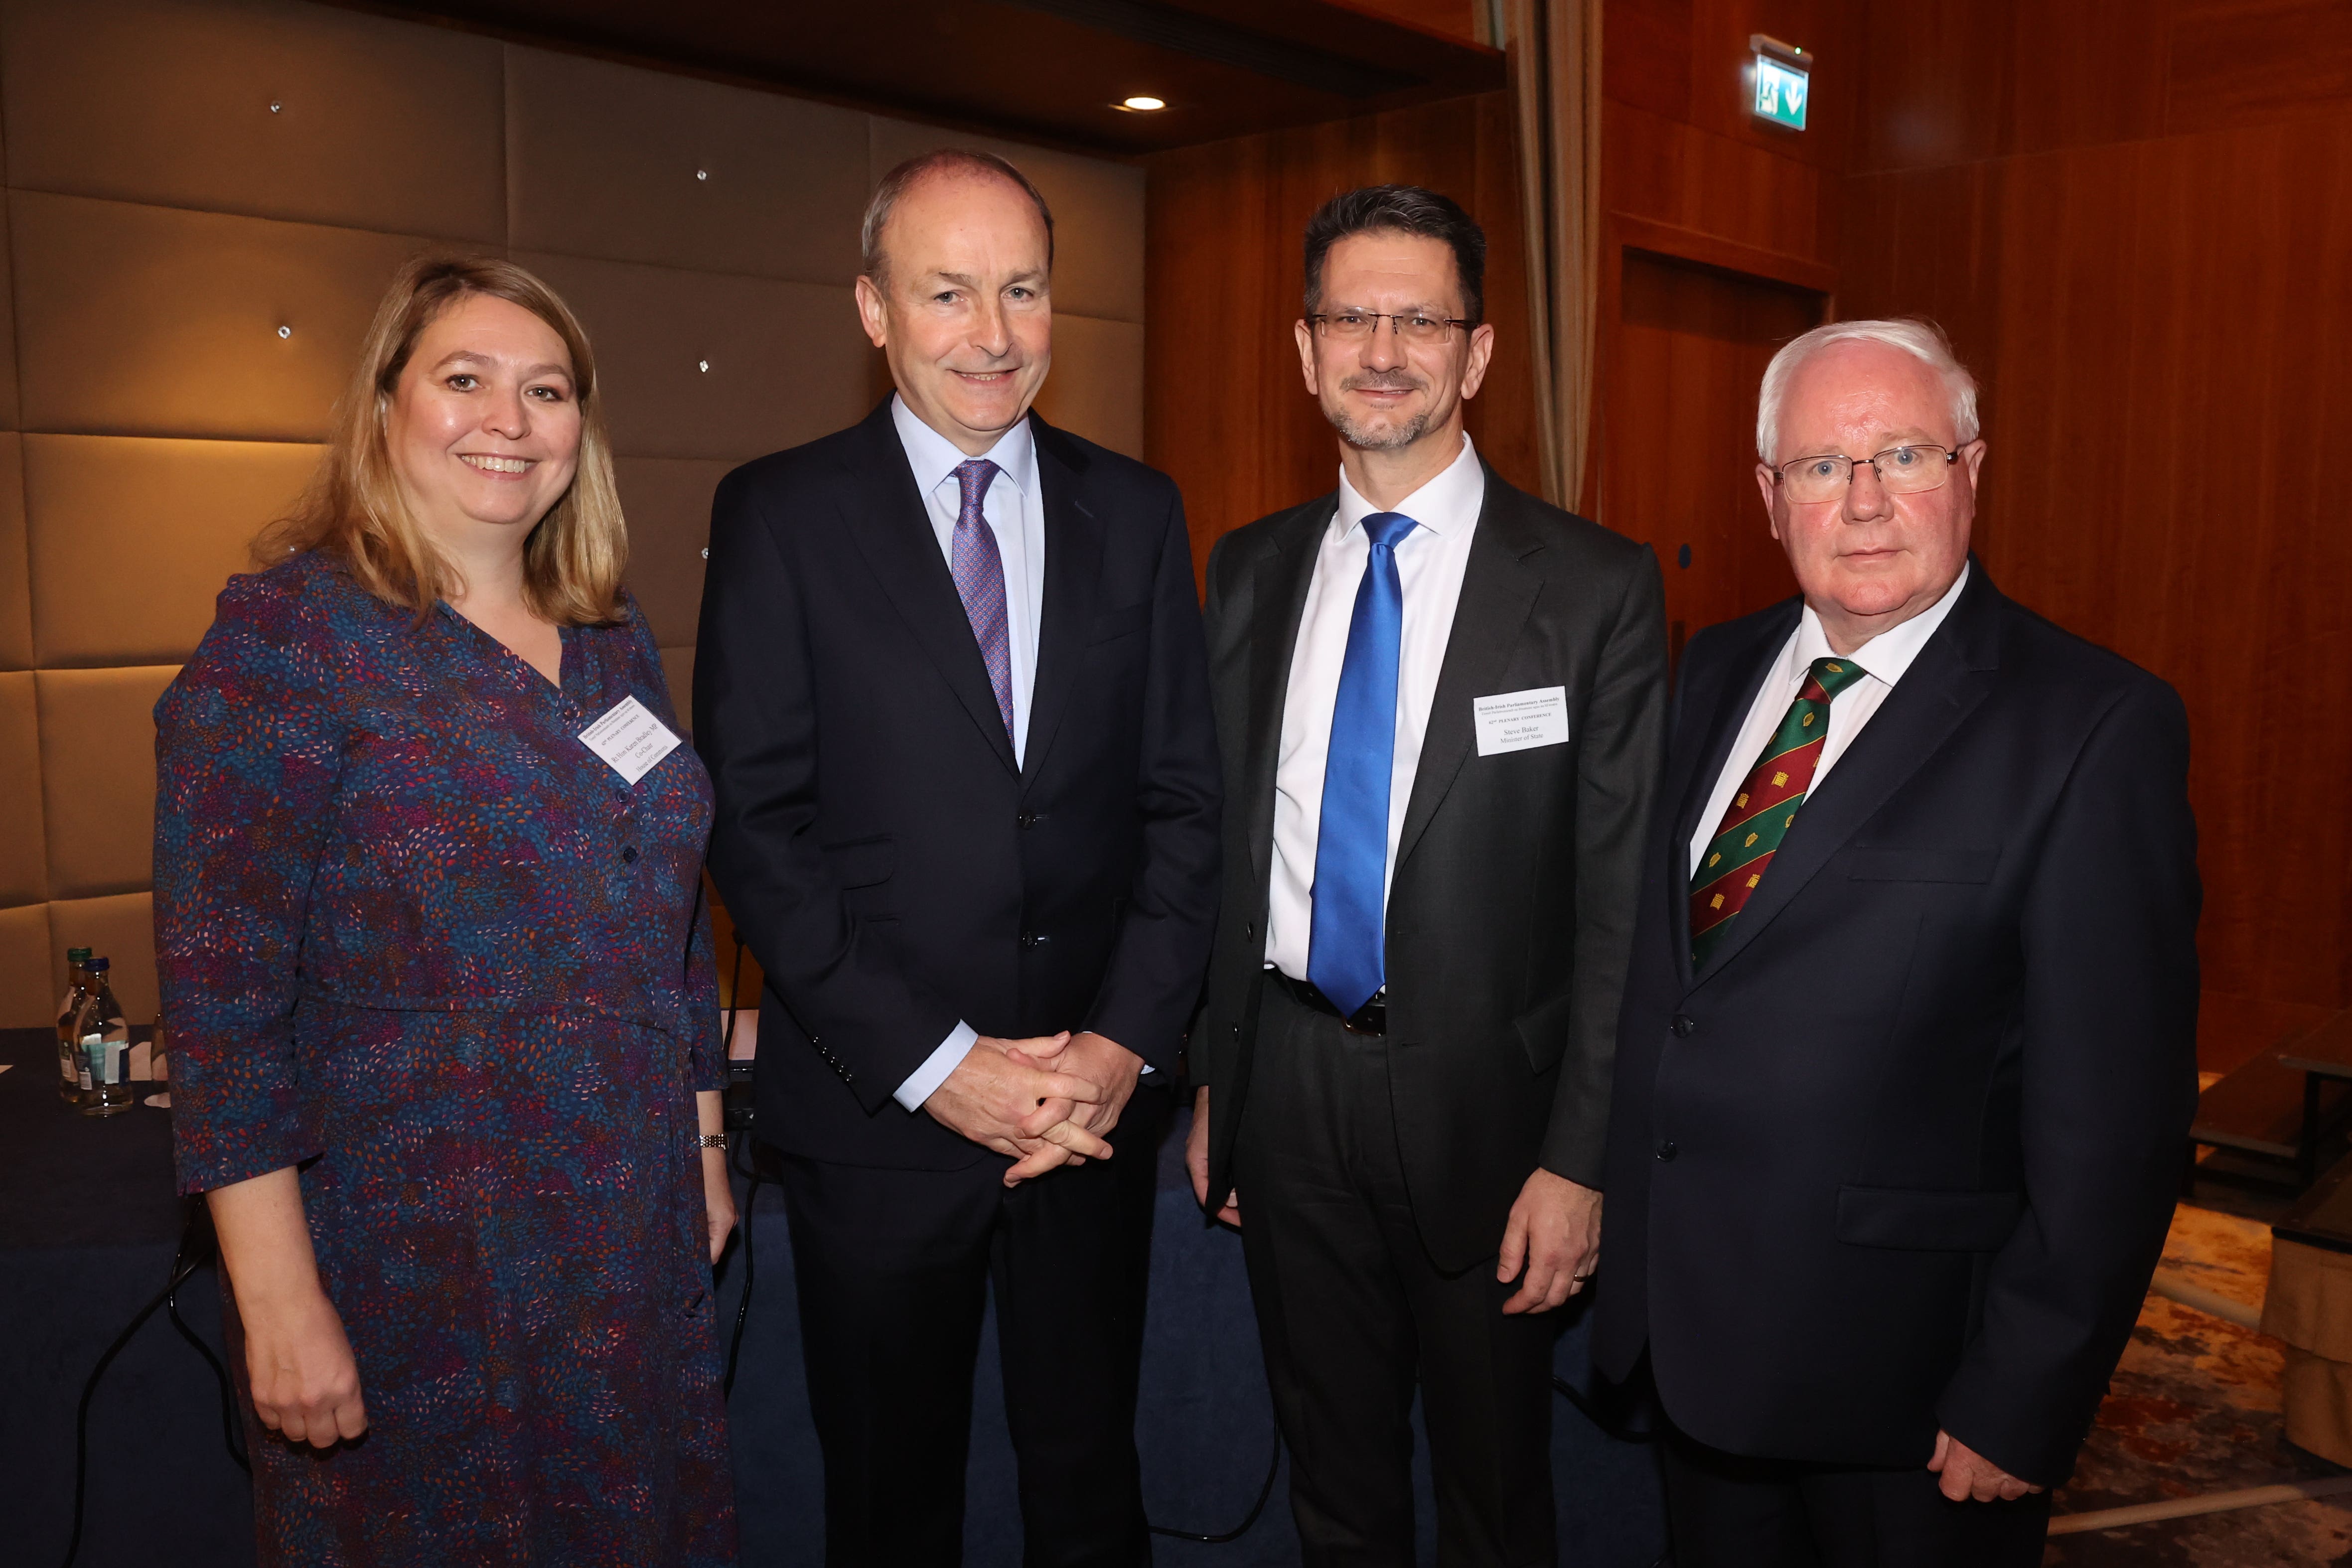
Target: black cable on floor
{"type": "Point", "coordinates": [182, 1266]}
{"type": "Point", "coordinates": [1273, 1468]}
{"type": "Point", "coordinates": [231, 1437]}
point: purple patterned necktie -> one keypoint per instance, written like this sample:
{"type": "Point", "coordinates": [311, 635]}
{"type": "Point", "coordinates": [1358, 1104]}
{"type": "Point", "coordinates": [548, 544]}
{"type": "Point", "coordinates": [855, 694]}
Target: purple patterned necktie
{"type": "Point", "coordinates": [980, 582]}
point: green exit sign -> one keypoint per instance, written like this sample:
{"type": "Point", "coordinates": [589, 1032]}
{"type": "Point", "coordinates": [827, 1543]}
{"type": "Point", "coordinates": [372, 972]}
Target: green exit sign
{"type": "Point", "coordinates": [1781, 89]}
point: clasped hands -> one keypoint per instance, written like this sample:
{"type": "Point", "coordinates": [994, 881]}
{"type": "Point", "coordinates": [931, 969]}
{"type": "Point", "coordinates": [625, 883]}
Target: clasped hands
{"type": "Point", "coordinates": [1047, 1101]}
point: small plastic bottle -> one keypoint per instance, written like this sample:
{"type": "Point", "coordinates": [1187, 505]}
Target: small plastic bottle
{"type": "Point", "coordinates": [69, 1058]}
{"type": "Point", "coordinates": [105, 1038]}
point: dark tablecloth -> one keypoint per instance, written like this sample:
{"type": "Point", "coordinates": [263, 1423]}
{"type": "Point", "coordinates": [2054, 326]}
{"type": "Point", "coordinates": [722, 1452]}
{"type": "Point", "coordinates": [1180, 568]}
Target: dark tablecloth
{"type": "Point", "coordinates": [87, 1228]}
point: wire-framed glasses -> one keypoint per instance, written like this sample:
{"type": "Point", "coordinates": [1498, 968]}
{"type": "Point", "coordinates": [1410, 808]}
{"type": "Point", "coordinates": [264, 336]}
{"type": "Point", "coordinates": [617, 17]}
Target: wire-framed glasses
{"type": "Point", "coordinates": [1903, 470]}
{"type": "Point", "coordinates": [1355, 325]}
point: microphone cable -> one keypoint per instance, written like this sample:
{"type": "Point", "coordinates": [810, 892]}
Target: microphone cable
{"type": "Point", "coordinates": [186, 1259]}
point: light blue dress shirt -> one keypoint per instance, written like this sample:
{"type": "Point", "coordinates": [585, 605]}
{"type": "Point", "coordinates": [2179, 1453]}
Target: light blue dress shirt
{"type": "Point", "coordinates": [1015, 511]}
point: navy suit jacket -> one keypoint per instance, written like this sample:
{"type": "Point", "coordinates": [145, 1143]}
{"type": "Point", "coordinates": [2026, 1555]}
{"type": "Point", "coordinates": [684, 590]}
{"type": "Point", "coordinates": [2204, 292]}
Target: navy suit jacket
{"type": "Point", "coordinates": [889, 867]}
{"type": "Point", "coordinates": [1902, 1155]}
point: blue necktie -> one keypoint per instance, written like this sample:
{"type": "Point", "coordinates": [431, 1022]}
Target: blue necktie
{"type": "Point", "coordinates": [1345, 957]}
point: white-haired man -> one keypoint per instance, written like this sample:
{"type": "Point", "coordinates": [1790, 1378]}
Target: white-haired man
{"type": "Point", "coordinates": [1908, 1048]}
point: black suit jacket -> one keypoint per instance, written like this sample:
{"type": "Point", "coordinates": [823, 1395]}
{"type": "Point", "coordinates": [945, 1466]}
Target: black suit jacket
{"type": "Point", "coordinates": [890, 868]}
{"type": "Point", "coordinates": [1903, 1154]}
{"type": "Point", "coordinates": [1510, 908]}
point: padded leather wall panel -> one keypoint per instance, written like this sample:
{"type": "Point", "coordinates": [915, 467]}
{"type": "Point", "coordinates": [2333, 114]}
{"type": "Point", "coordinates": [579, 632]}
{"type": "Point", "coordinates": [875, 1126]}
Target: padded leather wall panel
{"type": "Point", "coordinates": [15, 564]}
{"type": "Point", "coordinates": [787, 360]}
{"type": "Point", "coordinates": [29, 991]}
{"type": "Point", "coordinates": [378, 125]}
{"type": "Point", "coordinates": [140, 321]}
{"type": "Point", "coordinates": [1097, 214]}
{"type": "Point", "coordinates": [24, 855]}
{"type": "Point", "coordinates": [98, 776]}
{"type": "Point", "coordinates": [10, 406]}
{"type": "Point", "coordinates": [122, 929]}
{"type": "Point", "coordinates": [1095, 387]}
{"type": "Point", "coordinates": [629, 165]}
{"type": "Point", "coordinates": [667, 500]}
{"type": "Point", "coordinates": [118, 522]}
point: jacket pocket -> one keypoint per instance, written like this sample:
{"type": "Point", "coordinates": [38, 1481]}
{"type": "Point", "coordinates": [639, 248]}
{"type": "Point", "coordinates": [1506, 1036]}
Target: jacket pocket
{"type": "Point", "coordinates": [862, 863]}
{"type": "Point", "coordinates": [1916, 1221]}
{"type": "Point", "coordinates": [1119, 622]}
{"type": "Point", "coordinates": [1920, 865]}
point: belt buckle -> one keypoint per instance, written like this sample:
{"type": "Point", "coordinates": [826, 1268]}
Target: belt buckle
{"type": "Point", "coordinates": [1372, 1019]}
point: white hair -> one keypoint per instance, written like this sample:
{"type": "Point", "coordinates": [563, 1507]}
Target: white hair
{"type": "Point", "coordinates": [1923, 340]}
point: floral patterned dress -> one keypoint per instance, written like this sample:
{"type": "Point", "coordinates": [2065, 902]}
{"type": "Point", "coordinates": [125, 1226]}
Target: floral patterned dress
{"type": "Point", "coordinates": [417, 938]}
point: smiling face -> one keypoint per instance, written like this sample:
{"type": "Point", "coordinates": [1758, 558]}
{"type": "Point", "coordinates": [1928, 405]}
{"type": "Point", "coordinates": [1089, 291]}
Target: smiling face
{"type": "Point", "coordinates": [1870, 560]}
{"type": "Point", "coordinates": [484, 425]}
{"type": "Point", "coordinates": [963, 309]}
{"type": "Point", "coordinates": [1381, 392]}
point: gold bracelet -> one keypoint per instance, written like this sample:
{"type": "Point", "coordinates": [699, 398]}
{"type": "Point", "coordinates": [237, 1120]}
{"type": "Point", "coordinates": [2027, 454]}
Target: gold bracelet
{"type": "Point", "coordinates": [711, 1141]}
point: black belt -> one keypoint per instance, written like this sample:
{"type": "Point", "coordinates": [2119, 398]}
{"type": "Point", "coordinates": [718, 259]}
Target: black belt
{"type": "Point", "coordinates": [1371, 1019]}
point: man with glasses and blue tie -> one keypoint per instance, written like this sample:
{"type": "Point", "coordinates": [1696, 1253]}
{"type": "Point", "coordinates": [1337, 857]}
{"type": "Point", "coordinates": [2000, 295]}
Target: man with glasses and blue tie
{"type": "Point", "coordinates": [1440, 705]}
{"type": "Point", "coordinates": [1908, 1050]}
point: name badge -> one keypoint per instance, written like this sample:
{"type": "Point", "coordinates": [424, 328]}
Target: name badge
{"type": "Point", "coordinates": [1520, 721]}
{"type": "Point", "coordinates": [630, 738]}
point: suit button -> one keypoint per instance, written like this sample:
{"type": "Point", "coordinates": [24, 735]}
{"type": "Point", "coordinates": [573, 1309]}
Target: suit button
{"type": "Point", "coordinates": [1667, 1150]}
{"type": "Point", "coordinates": [1034, 939]}
{"type": "Point", "coordinates": [1249, 931]}
{"type": "Point", "coordinates": [1027, 818]}
{"type": "Point", "coordinates": [628, 854]}
{"type": "Point", "coordinates": [1236, 1031]}
{"type": "Point", "coordinates": [1684, 1026]}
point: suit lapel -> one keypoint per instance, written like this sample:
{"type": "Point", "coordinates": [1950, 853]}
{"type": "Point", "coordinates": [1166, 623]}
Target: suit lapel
{"type": "Point", "coordinates": [1073, 554]}
{"type": "Point", "coordinates": [1278, 601]}
{"type": "Point", "coordinates": [894, 533]}
{"type": "Point", "coordinates": [1498, 592]}
{"type": "Point", "coordinates": [1952, 675]}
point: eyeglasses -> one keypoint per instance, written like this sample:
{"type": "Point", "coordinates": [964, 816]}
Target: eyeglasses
{"type": "Point", "coordinates": [1355, 325]}
{"type": "Point", "coordinates": [1903, 470]}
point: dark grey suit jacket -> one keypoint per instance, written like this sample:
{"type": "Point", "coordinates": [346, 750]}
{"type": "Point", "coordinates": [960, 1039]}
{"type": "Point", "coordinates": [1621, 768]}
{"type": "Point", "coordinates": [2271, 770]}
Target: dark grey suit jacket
{"type": "Point", "coordinates": [1511, 906]}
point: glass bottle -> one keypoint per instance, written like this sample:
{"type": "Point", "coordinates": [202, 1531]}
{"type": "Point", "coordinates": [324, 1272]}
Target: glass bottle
{"type": "Point", "coordinates": [69, 1039]}
{"type": "Point", "coordinates": [105, 1038]}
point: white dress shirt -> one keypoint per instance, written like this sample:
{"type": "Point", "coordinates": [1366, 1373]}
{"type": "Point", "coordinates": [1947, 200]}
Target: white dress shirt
{"type": "Point", "coordinates": [1014, 509]}
{"type": "Point", "coordinates": [1884, 659]}
{"type": "Point", "coordinates": [1431, 561]}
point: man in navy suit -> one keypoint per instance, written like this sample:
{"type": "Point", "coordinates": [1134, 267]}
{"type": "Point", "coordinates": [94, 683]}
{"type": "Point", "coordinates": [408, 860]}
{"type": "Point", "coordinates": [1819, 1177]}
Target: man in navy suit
{"type": "Point", "coordinates": [1908, 1045]}
{"type": "Point", "coordinates": [953, 695]}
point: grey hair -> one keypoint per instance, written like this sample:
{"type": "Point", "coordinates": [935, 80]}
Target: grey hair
{"type": "Point", "coordinates": [1923, 340]}
{"type": "Point", "coordinates": [873, 262]}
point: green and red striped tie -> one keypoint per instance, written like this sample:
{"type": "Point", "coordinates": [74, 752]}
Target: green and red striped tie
{"type": "Point", "coordinates": [1761, 813]}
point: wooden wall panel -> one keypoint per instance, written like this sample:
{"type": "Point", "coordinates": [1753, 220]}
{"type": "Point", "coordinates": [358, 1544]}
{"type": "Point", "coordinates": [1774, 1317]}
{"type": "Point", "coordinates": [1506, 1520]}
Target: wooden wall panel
{"type": "Point", "coordinates": [2162, 324]}
{"type": "Point", "coordinates": [1225, 411]}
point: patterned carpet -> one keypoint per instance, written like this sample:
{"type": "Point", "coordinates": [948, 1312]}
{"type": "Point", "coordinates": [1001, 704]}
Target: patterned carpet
{"type": "Point", "coordinates": [2194, 1409]}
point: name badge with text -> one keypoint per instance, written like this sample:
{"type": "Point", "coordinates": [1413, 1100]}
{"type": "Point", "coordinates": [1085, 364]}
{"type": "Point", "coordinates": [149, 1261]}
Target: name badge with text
{"type": "Point", "coordinates": [630, 738]}
{"type": "Point", "coordinates": [1520, 721]}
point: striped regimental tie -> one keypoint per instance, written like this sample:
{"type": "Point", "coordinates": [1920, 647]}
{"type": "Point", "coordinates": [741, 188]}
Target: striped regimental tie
{"type": "Point", "coordinates": [1760, 815]}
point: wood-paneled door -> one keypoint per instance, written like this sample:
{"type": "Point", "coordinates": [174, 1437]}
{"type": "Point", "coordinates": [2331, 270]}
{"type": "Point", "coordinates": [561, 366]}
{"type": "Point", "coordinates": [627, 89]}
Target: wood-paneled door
{"type": "Point", "coordinates": [1683, 352]}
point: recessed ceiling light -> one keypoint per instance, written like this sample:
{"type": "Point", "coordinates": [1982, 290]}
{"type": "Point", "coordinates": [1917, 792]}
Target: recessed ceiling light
{"type": "Point", "coordinates": [1142, 105]}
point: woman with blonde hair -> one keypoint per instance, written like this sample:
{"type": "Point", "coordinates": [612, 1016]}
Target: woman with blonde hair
{"type": "Point", "coordinates": [427, 857]}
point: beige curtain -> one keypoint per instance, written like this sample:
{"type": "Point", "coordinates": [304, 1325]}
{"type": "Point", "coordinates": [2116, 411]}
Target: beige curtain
{"type": "Point", "coordinates": [1555, 53]}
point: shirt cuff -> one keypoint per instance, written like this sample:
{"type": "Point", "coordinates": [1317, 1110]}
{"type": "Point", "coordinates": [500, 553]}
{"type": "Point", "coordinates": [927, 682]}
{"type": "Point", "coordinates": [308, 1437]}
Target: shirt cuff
{"type": "Point", "coordinates": [921, 1082]}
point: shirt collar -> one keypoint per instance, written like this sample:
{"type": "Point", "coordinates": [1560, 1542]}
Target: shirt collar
{"type": "Point", "coordinates": [1887, 657]}
{"type": "Point", "coordinates": [1449, 501]}
{"type": "Point", "coordinates": [934, 458]}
